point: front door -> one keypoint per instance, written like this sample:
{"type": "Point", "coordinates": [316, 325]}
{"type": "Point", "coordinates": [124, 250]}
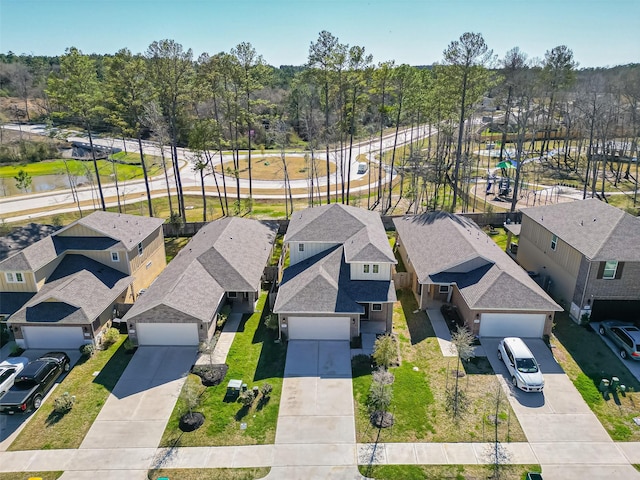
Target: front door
{"type": "Point", "coordinates": [365, 316]}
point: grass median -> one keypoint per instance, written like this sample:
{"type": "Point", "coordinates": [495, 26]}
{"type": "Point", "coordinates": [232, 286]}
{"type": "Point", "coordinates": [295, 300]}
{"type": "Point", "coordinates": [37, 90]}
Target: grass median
{"type": "Point", "coordinates": [48, 430]}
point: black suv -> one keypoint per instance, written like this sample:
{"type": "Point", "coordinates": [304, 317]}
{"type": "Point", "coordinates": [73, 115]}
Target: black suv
{"type": "Point", "coordinates": [33, 383]}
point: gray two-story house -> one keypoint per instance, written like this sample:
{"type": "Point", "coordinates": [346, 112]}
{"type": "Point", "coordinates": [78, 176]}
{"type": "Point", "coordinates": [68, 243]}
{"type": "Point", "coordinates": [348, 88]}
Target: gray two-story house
{"type": "Point", "coordinates": [339, 274]}
{"type": "Point", "coordinates": [587, 254]}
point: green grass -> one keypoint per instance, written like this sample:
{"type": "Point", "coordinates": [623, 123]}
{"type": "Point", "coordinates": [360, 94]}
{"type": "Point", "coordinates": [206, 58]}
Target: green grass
{"type": "Point", "coordinates": [79, 168]}
{"type": "Point", "coordinates": [208, 473]}
{"type": "Point", "coordinates": [442, 472]}
{"type": "Point", "coordinates": [47, 430]}
{"type": "Point", "coordinates": [587, 359]}
{"type": "Point", "coordinates": [173, 245]}
{"type": "Point", "coordinates": [25, 475]}
{"type": "Point", "coordinates": [254, 358]}
{"type": "Point", "coordinates": [419, 396]}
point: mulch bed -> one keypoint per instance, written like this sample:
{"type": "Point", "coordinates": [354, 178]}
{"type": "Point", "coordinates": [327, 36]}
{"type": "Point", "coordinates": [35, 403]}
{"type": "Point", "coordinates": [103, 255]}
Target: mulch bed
{"type": "Point", "coordinates": [210, 375]}
{"type": "Point", "coordinates": [191, 421]}
{"type": "Point", "coordinates": [381, 419]}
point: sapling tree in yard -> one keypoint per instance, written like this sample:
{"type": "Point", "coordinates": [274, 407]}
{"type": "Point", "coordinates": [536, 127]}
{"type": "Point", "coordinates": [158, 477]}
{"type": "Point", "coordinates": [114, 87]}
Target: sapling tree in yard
{"type": "Point", "coordinates": [462, 346]}
{"type": "Point", "coordinates": [385, 351]}
{"type": "Point", "coordinates": [496, 452]}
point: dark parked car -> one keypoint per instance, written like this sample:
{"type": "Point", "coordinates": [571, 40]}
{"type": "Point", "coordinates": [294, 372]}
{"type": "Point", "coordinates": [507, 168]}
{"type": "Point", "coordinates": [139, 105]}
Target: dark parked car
{"type": "Point", "coordinates": [33, 383]}
{"type": "Point", "coordinates": [451, 315]}
{"type": "Point", "coordinates": [625, 335]}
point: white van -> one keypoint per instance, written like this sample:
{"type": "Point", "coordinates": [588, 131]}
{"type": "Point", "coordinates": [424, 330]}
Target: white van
{"type": "Point", "coordinates": [362, 168]}
{"type": "Point", "coordinates": [523, 368]}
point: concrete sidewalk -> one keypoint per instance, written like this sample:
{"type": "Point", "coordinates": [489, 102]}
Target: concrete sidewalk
{"type": "Point", "coordinates": [221, 350]}
{"type": "Point", "coordinates": [292, 460]}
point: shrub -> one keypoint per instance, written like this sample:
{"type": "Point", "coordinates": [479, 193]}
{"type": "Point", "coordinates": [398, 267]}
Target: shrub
{"type": "Point", "coordinates": [110, 337]}
{"type": "Point", "coordinates": [246, 398]}
{"type": "Point", "coordinates": [266, 389]}
{"type": "Point", "coordinates": [380, 396]}
{"type": "Point", "coordinates": [271, 321]}
{"type": "Point", "coordinates": [87, 349]}
{"type": "Point", "coordinates": [128, 345]}
{"type": "Point", "coordinates": [64, 403]}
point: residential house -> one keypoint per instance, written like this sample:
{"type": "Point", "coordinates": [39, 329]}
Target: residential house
{"type": "Point", "coordinates": [451, 260]}
{"type": "Point", "coordinates": [223, 263]}
{"type": "Point", "coordinates": [339, 275]}
{"type": "Point", "coordinates": [61, 291]}
{"type": "Point", "coordinates": [587, 255]}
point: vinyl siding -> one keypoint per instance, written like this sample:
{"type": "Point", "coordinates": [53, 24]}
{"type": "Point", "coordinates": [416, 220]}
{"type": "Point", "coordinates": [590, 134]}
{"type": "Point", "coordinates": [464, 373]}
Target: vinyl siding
{"type": "Point", "coordinates": [357, 271]}
{"type": "Point", "coordinates": [310, 249]}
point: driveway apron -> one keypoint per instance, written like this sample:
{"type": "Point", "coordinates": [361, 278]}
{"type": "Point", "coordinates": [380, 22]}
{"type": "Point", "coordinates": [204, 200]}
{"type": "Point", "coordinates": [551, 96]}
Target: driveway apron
{"type": "Point", "coordinates": [315, 436]}
{"type": "Point", "coordinates": [138, 409]}
{"type": "Point", "coordinates": [563, 432]}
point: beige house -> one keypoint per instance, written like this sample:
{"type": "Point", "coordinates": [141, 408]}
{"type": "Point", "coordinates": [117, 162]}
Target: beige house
{"type": "Point", "coordinates": [339, 276]}
{"type": "Point", "coordinates": [60, 291]}
{"type": "Point", "coordinates": [451, 260]}
{"type": "Point", "coordinates": [586, 253]}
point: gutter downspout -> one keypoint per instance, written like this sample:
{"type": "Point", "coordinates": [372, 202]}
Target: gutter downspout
{"type": "Point", "coordinates": [584, 290]}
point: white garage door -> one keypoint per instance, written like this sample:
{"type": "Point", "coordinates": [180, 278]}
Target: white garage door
{"type": "Point", "coordinates": [319, 328]}
{"type": "Point", "coordinates": [167, 333]}
{"type": "Point", "coordinates": [52, 337]}
{"type": "Point", "coordinates": [512, 325]}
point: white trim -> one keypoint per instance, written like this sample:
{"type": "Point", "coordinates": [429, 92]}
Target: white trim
{"type": "Point", "coordinates": [615, 270]}
{"type": "Point", "coordinates": [12, 277]}
{"type": "Point", "coordinates": [115, 257]}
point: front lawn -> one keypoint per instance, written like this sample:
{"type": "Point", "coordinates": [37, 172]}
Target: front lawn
{"type": "Point", "coordinates": [420, 386]}
{"type": "Point", "coordinates": [457, 472]}
{"type": "Point", "coordinates": [90, 381]}
{"type": "Point", "coordinates": [255, 359]}
{"type": "Point", "coordinates": [208, 473]}
{"type": "Point", "coordinates": [23, 475]}
{"type": "Point", "coordinates": [587, 359]}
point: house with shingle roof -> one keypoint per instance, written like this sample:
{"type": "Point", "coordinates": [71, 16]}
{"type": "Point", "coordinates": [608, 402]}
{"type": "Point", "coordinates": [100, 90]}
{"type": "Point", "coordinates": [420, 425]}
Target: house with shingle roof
{"type": "Point", "coordinates": [587, 253]}
{"type": "Point", "coordinates": [222, 264]}
{"type": "Point", "coordinates": [339, 275]}
{"type": "Point", "coordinates": [451, 260]}
{"type": "Point", "coordinates": [60, 291]}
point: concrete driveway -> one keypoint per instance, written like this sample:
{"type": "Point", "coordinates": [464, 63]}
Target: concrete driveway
{"type": "Point", "coordinates": [563, 433]}
{"type": "Point", "coordinates": [632, 365]}
{"type": "Point", "coordinates": [139, 407]}
{"type": "Point", "coordinates": [316, 427]}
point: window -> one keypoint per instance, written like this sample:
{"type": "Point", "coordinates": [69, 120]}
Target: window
{"type": "Point", "coordinates": [376, 268]}
{"type": "Point", "coordinates": [443, 289]}
{"type": "Point", "coordinates": [366, 268]}
{"type": "Point", "coordinates": [554, 242]}
{"type": "Point", "coordinates": [376, 307]}
{"type": "Point", "coordinates": [140, 248]}
{"type": "Point", "coordinates": [610, 269]}
{"type": "Point", "coordinates": [115, 257]}
{"type": "Point", "coordinates": [232, 294]}
{"type": "Point", "coordinates": [14, 277]}
{"type": "Point", "coordinates": [301, 247]}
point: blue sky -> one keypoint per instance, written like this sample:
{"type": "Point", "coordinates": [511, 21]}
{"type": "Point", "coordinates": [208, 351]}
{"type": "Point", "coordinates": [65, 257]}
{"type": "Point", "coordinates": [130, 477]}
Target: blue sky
{"type": "Point", "coordinates": [600, 32]}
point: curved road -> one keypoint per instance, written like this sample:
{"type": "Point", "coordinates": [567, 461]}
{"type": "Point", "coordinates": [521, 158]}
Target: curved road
{"type": "Point", "coordinates": [60, 201]}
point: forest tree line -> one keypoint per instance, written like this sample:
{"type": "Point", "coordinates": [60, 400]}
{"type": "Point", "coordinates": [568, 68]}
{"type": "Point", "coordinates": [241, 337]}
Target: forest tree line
{"type": "Point", "coordinates": [233, 101]}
